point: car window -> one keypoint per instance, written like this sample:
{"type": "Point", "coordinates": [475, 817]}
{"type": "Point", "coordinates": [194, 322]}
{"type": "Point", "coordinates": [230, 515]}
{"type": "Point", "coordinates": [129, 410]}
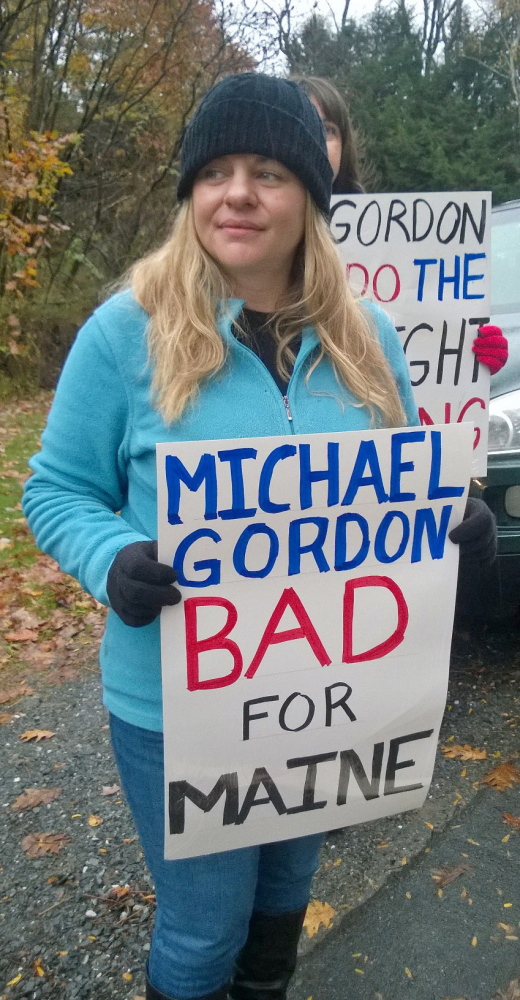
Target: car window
{"type": "Point", "coordinates": [505, 260]}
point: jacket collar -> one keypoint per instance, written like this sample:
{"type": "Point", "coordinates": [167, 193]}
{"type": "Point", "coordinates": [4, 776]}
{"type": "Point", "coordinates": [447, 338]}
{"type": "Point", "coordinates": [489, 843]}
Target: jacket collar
{"type": "Point", "coordinates": [229, 311]}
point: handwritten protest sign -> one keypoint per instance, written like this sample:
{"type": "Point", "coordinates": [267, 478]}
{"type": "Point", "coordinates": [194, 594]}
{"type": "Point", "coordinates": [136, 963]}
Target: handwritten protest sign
{"type": "Point", "coordinates": [425, 258]}
{"type": "Point", "coordinates": [305, 671]}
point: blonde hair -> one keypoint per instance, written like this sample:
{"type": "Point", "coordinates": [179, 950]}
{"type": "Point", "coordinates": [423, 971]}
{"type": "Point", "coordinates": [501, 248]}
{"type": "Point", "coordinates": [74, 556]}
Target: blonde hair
{"type": "Point", "coordinates": [182, 289]}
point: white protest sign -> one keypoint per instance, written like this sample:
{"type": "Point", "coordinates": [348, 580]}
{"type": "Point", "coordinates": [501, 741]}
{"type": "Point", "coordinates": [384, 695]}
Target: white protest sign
{"type": "Point", "coordinates": [305, 670]}
{"type": "Point", "coordinates": [425, 258]}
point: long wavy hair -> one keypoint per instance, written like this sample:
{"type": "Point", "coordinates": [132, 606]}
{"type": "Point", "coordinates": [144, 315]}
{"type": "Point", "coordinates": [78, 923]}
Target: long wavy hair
{"type": "Point", "coordinates": [182, 289]}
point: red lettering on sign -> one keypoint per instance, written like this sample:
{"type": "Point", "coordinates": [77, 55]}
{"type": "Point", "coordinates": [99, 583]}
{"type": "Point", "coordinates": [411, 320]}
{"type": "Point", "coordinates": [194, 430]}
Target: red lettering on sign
{"type": "Point", "coordinates": [306, 630]}
{"type": "Point", "coordinates": [196, 646]}
{"type": "Point", "coordinates": [385, 647]}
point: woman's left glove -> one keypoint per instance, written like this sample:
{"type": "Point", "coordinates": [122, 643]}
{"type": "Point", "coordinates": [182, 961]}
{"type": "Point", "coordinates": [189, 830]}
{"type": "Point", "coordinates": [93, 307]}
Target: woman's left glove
{"type": "Point", "coordinates": [491, 348]}
{"type": "Point", "coordinates": [477, 533]}
{"type": "Point", "coordinates": [138, 586]}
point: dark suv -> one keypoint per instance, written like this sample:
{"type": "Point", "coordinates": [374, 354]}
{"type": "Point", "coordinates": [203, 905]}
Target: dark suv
{"type": "Point", "coordinates": [501, 487]}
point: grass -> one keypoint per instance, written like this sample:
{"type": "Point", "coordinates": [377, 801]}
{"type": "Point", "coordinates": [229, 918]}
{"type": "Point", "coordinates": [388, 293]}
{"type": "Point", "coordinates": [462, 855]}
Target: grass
{"type": "Point", "coordinates": [48, 625]}
{"type": "Point", "coordinates": [22, 424]}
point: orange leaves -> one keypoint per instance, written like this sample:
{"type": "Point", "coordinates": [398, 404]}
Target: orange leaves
{"type": "Point", "coordinates": [318, 915]}
{"type": "Point", "coordinates": [24, 635]}
{"type": "Point", "coordinates": [95, 820]}
{"type": "Point", "coordinates": [10, 693]}
{"type": "Point", "coordinates": [36, 735]}
{"type": "Point", "coordinates": [33, 797]}
{"type": "Point", "coordinates": [513, 821]}
{"type": "Point", "coordinates": [30, 172]}
{"type": "Point", "coordinates": [37, 845]}
{"type": "Point", "coordinates": [502, 776]}
{"type": "Point", "coordinates": [464, 751]}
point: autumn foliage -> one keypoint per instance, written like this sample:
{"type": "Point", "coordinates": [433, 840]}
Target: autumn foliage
{"type": "Point", "coordinates": [93, 101]}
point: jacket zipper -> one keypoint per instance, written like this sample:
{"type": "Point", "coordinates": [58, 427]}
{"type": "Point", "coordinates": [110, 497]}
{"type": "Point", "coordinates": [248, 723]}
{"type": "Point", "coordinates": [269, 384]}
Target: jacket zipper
{"type": "Point", "coordinates": [287, 407]}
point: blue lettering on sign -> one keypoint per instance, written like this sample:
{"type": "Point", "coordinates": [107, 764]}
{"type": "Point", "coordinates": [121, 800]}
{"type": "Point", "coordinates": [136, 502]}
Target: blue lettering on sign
{"type": "Point", "coordinates": [367, 455]}
{"type": "Point", "coordinates": [425, 518]}
{"type": "Point", "coordinates": [435, 491]}
{"type": "Point", "coordinates": [176, 473]}
{"type": "Point", "coordinates": [468, 257]}
{"type": "Point", "coordinates": [398, 466]}
{"type": "Point", "coordinates": [340, 549]}
{"type": "Point", "coordinates": [235, 457]}
{"type": "Point", "coordinates": [296, 549]}
{"type": "Point", "coordinates": [264, 500]}
{"type": "Point", "coordinates": [309, 476]}
{"type": "Point", "coordinates": [239, 554]}
{"type": "Point", "coordinates": [212, 565]}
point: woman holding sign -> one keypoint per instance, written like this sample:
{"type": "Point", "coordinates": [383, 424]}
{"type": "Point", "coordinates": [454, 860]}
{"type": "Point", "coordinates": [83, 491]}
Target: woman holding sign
{"type": "Point", "coordinates": [241, 324]}
{"type": "Point", "coordinates": [490, 346]}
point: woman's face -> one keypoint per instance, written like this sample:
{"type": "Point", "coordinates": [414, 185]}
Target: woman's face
{"type": "Point", "coordinates": [249, 214]}
{"type": "Point", "coordinates": [333, 136]}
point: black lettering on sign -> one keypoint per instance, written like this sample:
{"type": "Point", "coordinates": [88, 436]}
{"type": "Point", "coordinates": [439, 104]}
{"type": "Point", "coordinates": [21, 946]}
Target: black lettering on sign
{"type": "Point", "coordinates": [309, 788]}
{"type": "Point", "coordinates": [179, 791]}
{"type": "Point", "coordinates": [351, 762]}
{"type": "Point", "coordinates": [393, 766]}
{"type": "Point", "coordinates": [261, 777]}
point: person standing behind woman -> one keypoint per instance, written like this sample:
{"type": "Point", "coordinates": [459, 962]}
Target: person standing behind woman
{"type": "Point", "coordinates": [490, 346]}
{"type": "Point", "coordinates": [240, 325]}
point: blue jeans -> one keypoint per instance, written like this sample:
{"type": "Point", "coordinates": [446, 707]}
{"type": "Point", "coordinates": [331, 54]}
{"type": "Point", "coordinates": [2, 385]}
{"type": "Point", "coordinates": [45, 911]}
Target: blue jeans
{"type": "Point", "coordinates": [203, 904]}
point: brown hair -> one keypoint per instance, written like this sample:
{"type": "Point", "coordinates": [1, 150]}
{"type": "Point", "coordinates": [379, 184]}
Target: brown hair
{"type": "Point", "coordinates": [335, 110]}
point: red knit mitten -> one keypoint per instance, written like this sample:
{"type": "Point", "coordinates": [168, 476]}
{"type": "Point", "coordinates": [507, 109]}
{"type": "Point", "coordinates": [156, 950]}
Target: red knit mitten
{"type": "Point", "coordinates": [491, 348]}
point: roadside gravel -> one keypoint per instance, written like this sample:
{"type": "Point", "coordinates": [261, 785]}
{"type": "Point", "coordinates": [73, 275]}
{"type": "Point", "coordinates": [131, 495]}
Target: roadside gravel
{"type": "Point", "coordinates": [65, 940]}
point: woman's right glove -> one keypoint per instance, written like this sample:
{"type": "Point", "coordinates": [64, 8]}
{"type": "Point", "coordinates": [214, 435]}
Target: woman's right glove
{"type": "Point", "coordinates": [138, 586]}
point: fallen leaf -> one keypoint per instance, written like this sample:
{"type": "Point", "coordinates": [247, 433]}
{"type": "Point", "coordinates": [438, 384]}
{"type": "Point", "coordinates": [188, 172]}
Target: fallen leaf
{"type": "Point", "coordinates": [457, 751]}
{"type": "Point", "coordinates": [24, 635]}
{"type": "Point", "coordinates": [36, 734]}
{"type": "Point", "coordinates": [502, 776]}
{"type": "Point", "coordinates": [119, 892]}
{"type": "Point", "coordinates": [512, 992]}
{"type": "Point", "coordinates": [408, 973]}
{"type": "Point", "coordinates": [36, 845]}
{"type": "Point", "coordinates": [513, 821]}
{"type": "Point", "coordinates": [38, 968]}
{"type": "Point", "coordinates": [318, 914]}
{"type": "Point", "coordinates": [33, 797]}
{"type": "Point", "coordinates": [474, 941]}
{"type": "Point", "coordinates": [5, 717]}
{"type": "Point", "coordinates": [9, 694]}
{"type": "Point", "coordinates": [95, 820]}
{"type": "Point", "coordinates": [128, 977]}
{"type": "Point", "coordinates": [110, 789]}
{"type": "Point", "coordinates": [13, 982]}
{"type": "Point", "coordinates": [443, 876]}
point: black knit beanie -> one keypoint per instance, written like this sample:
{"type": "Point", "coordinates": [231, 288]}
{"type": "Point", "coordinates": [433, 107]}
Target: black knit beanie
{"type": "Point", "coordinates": [254, 113]}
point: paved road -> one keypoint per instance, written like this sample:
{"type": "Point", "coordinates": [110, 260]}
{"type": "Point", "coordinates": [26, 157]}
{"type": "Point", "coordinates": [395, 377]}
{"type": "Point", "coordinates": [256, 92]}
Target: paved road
{"type": "Point", "coordinates": [409, 941]}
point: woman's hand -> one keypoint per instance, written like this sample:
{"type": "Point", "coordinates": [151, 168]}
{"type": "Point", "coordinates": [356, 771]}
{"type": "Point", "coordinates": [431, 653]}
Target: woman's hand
{"type": "Point", "coordinates": [138, 586]}
{"type": "Point", "coordinates": [477, 533]}
{"type": "Point", "coordinates": [491, 348]}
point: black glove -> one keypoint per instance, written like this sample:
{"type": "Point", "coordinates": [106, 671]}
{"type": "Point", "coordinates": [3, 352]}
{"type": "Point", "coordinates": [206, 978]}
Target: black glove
{"type": "Point", "coordinates": [477, 533]}
{"type": "Point", "coordinates": [138, 586]}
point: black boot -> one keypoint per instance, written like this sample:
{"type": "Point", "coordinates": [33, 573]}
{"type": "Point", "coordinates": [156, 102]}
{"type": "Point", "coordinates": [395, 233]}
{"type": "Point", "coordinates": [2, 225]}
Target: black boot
{"type": "Point", "coordinates": [153, 994]}
{"type": "Point", "coordinates": [268, 959]}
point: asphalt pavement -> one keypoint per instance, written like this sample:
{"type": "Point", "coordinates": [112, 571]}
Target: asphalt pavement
{"type": "Point", "coordinates": [412, 939]}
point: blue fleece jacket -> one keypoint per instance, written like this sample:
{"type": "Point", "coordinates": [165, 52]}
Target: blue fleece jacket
{"type": "Point", "coordinates": [98, 458]}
